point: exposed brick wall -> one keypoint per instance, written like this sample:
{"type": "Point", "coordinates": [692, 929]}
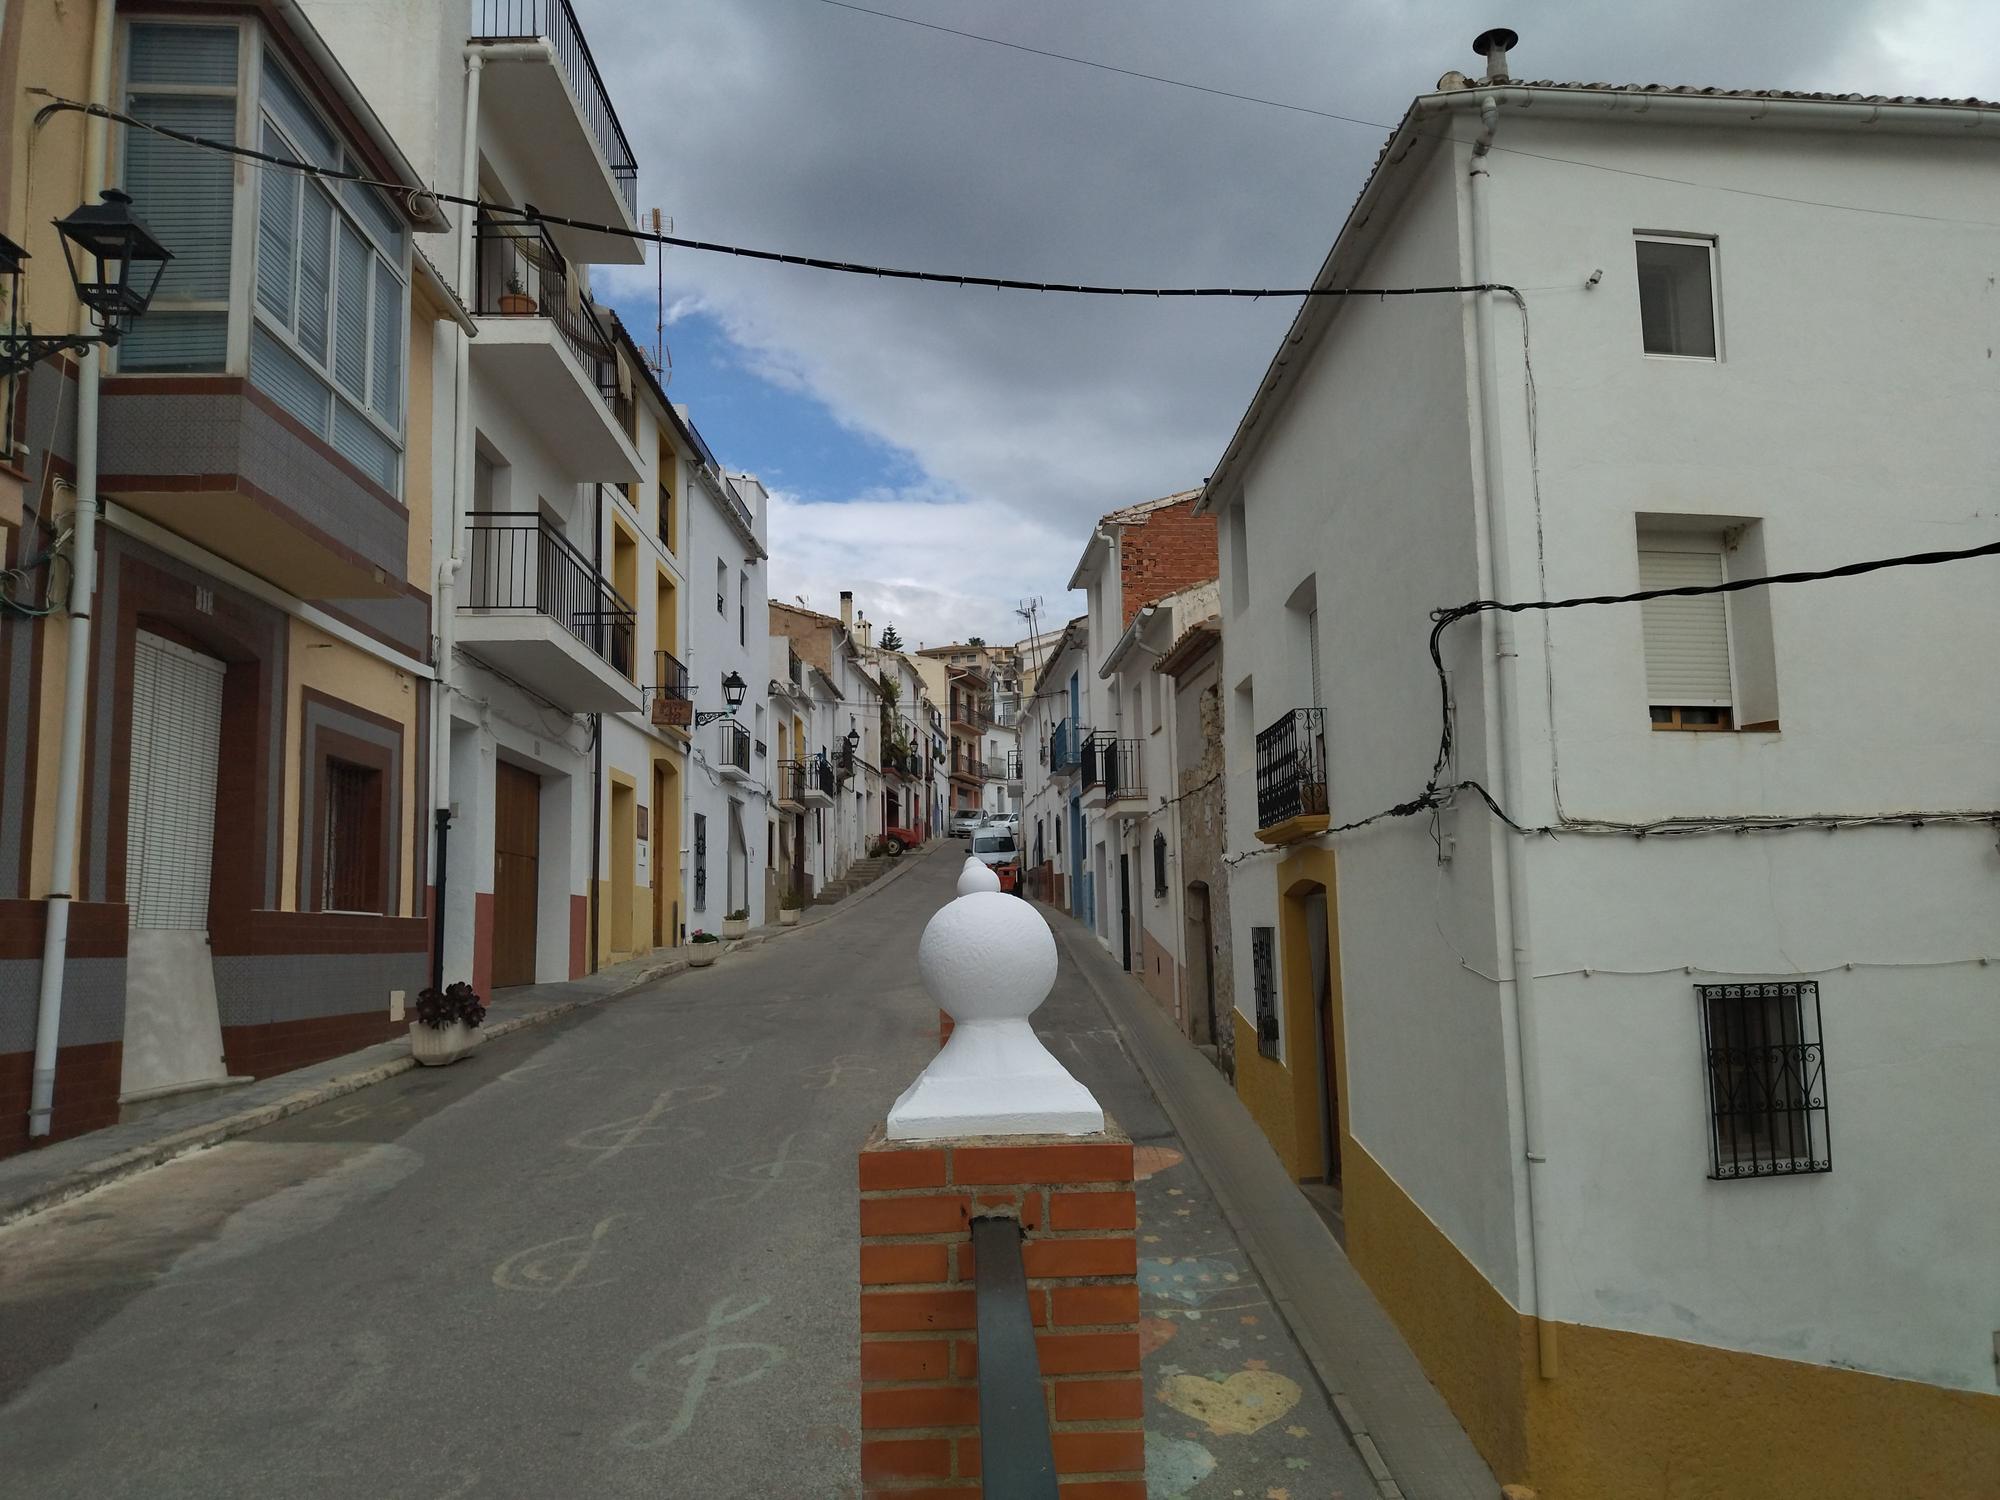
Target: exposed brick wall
{"type": "Point", "coordinates": [919, 1349]}
{"type": "Point", "coordinates": [87, 1080]}
{"type": "Point", "coordinates": [1163, 552]}
{"type": "Point", "coordinates": [811, 634]}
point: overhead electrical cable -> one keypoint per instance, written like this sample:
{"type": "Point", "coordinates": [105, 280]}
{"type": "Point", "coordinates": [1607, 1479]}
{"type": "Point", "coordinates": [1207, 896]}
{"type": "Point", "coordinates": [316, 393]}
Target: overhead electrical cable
{"type": "Point", "coordinates": [1327, 114]}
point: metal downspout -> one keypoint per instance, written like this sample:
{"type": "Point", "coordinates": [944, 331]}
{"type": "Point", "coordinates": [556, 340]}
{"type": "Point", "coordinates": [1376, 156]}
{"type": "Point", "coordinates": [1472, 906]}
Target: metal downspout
{"type": "Point", "coordinates": [1501, 707]}
{"type": "Point", "coordinates": [461, 487]}
{"type": "Point", "coordinates": [76, 680]}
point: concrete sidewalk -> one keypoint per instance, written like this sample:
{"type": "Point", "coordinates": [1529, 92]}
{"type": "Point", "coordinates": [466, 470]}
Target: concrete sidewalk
{"type": "Point", "coordinates": [39, 1179]}
{"type": "Point", "coordinates": [1398, 1421]}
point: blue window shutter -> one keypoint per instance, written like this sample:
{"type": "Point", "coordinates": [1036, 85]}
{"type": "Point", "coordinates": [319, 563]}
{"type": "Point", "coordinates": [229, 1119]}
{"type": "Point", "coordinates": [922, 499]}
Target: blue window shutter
{"type": "Point", "coordinates": [288, 106]}
{"type": "Point", "coordinates": [358, 441]}
{"type": "Point", "coordinates": [176, 341]}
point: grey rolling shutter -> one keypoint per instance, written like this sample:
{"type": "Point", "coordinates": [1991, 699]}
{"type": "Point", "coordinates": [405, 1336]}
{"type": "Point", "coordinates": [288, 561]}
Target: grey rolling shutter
{"type": "Point", "coordinates": [359, 441]}
{"type": "Point", "coordinates": [350, 313]}
{"type": "Point", "coordinates": [277, 235]}
{"type": "Point", "coordinates": [275, 369]}
{"type": "Point", "coordinates": [1687, 639]}
{"type": "Point", "coordinates": [315, 271]}
{"type": "Point", "coordinates": [170, 822]}
{"type": "Point", "coordinates": [200, 56]}
{"type": "Point", "coordinates": [385, 385]}
{"type": "Point", "coordinates": [185, 195]}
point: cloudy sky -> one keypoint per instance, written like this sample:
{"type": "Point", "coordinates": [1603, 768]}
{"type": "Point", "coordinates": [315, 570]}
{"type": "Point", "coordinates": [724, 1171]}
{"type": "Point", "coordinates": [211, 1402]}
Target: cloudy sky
{"type": "Point", "coordinates": [943, 451]}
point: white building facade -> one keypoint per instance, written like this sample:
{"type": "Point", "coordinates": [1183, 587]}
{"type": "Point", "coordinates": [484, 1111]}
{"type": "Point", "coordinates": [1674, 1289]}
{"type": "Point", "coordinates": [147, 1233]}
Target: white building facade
{"type": "Point", "coordinates": [1647, 1134]}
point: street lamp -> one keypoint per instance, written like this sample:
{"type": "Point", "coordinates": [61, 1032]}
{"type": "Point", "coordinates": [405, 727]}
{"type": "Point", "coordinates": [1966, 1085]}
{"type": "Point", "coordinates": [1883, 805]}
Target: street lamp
{"type": "Point", "coordinates": [115, 264]}
{"type": "Point", "coordinates": [733, 690]}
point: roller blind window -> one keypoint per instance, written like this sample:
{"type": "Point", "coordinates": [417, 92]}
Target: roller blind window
{"type": "Point", "coordinates": [182, 78]}
{"type": "Point", "coordinates": [1687, 637]}
{"type": "Point", "coordinates": [330, 341]}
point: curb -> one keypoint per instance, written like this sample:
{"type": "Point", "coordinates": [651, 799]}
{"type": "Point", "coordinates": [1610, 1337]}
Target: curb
{"type": "Point", "coordinates": [130, 1163]}
{"type": "Point", "coordinates": [137, 1159]}
{"type": "Point", "coordinates": [1351, 1420]}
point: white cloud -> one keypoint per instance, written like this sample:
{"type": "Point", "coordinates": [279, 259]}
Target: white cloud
{"type": "Point", "coordinates": [802, 127]}
{"type": "Point", "coordinates": [937, 569]}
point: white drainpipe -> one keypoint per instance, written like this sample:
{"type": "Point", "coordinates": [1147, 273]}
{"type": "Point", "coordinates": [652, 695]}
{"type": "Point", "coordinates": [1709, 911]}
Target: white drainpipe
{"type": "Point", "coordinates": [1501, 695]}
{"type": "Point", "coordinates": [76, 682]}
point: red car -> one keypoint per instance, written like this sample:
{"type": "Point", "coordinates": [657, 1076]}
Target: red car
{"type": "Point", "coordinates": [899, 839]}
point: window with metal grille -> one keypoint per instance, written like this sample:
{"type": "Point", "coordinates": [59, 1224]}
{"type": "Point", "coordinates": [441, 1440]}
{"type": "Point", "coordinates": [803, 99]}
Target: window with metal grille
{"type": "Point", "coordinates": [1159, 864]}
{"type": "Point", "coordinates": [1766, 1079]}
{"type": "Point", "coordinates": [1264, 986]}
{"type": "Point", "coordinates": [351, 841]}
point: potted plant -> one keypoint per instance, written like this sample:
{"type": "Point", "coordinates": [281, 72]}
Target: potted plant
{"type": "Point", "coordinates": [788, 909]}
{"type": "Point", "coordinates": [737, 923]}
{"type": "Point", "coordinates": [704, 948]}
{"type": "Point", "coordinates": [443, 1030]}
{"type": "Point", "coordinates": [515, 301]}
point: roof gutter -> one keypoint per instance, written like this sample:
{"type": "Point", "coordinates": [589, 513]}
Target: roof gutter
{"type": "Point", "coordinates": [1128, 640]}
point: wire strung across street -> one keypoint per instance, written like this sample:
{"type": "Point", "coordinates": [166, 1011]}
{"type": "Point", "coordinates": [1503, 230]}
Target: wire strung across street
{"type": "Point", "coordinates": [416, 198]}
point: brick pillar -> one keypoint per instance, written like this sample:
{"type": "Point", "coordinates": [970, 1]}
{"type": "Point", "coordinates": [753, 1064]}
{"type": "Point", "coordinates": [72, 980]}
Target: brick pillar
{"type": "Point", "coordinates": [919, 1354]}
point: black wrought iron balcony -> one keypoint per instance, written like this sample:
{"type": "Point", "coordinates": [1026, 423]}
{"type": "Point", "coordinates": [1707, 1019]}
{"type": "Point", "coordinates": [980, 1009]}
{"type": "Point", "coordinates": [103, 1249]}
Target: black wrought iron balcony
{"type": "Point", "coordinates": [521, 564]}
{"type": "Point", "coordinates": [1066, 748]}
{"type": "Point", "coordinates": [1291, 769]}
{"type": "Point", "coordinates": [732, 749]}
{"type": "Point", "coordinates": [671, 696]}
{"type": "Point", "coordinates": [821, 781]}
{"type": "Point", "coordinates": [792, 782]}
{"type": "Point", "coordinates": [553, 20]}
{"type": "Point", "coordinates": [1111, 767]}
{"type": "Point", "coordinates": [521, 274]}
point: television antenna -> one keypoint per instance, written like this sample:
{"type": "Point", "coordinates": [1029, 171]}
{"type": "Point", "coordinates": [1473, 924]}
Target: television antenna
{"type": "Point", "coordinates": [663, 357]}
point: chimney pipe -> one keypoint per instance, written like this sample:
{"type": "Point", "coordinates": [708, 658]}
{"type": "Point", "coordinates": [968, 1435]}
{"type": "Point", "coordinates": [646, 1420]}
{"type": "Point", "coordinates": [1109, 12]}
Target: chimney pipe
{"type": "Point", "coordinates": [1493, 46]}
{"type": "Point", "coordinates": [847, 608]}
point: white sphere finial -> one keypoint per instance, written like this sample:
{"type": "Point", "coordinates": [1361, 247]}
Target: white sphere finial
{"type": "Point", "coordinates": [976, 875]}
{"type": "Point", "coordinates": [989, 961]}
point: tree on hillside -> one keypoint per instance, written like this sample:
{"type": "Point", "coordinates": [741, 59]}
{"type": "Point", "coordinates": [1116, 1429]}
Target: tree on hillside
{"type": "Point", "coordinates": [891, 641]}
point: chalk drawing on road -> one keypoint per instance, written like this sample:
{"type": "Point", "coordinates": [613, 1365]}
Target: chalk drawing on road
{"type": "Point", "coordinates": [837, 1068]}
{"type": "Point", "coordinates": [700, 1354]}
{"type": "Point", "coordinates": [1175, 1465]}
{"type": "Point", "coordinates": [554, 1266]}
{"type": "Point", "coordinates": [616, 1137]}
{"type": "Point", "coordinates": [1230, 1405]}
{"type": "Point", "coordinates": [757, 1178]}
{"type": "Point", "coordinates": [353, 1111]}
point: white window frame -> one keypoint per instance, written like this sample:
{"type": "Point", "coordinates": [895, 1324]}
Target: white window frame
{"type": "Point", "coordinates": [246, 286]}
{"type": "Point", "coordinates": [1711, 244]}
{"type": "Point", "coordinates": [242, 214]}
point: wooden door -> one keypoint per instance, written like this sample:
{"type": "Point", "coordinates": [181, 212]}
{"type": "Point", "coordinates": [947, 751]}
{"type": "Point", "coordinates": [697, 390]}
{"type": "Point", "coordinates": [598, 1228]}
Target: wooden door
{"type": "Point", "coordinates": [517, 842]}
{"type": "Point", "coordinates": [662, 936]}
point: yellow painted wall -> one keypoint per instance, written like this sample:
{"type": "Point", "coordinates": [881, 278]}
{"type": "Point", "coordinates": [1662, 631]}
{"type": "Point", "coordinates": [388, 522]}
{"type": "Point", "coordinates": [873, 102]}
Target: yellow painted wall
{"type": "Point", "coordinates": [420, 434]}
{"type": "Point", "coordinates": [333, 667]}
{"type": "Point", "coordinates": [1283, 1097]}
{"type": "Point", "coordinates": [1629, 1414]}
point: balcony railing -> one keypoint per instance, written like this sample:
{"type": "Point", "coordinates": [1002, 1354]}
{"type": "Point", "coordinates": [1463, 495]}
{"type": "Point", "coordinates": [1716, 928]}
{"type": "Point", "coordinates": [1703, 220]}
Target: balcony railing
{"type": "Point", "coordinates": [521, 20]}
{"type": "Point", "coordinates": [671, 697]}
{"type": "Point", "coordinates": [820, 776]}
{"type": "Point", "coordinates": [521, 563]}
{"type": "Point", "coordinates": [734, 746]}
{"type": "Point", "coordinates": [792, 781]}
{"type": "Point", "coordinates": [1291, 767]}
{"type": "Point", "coordinates": [1066, 747]}
{"type": "Point", "coordinates": [522, 275]}
{"type": "Point", "coordinates": [1113, 764]}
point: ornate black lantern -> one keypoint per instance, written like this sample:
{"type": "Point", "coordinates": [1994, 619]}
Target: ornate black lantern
{"type": "Point", "coordinates": [733, 690]}
{"type": "Point", "coordinates": [115, 264]}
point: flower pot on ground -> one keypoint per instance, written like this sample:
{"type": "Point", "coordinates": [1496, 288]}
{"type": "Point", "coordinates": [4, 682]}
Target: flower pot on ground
{"type": "Point", "coordinates": [444, 1030]}
{"type": "Point", "coordinates": [788, 910]}
{"type": "Point", "coordinates": [704, 948]}
{"type": "Point", "coordinates": [737, 923]}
